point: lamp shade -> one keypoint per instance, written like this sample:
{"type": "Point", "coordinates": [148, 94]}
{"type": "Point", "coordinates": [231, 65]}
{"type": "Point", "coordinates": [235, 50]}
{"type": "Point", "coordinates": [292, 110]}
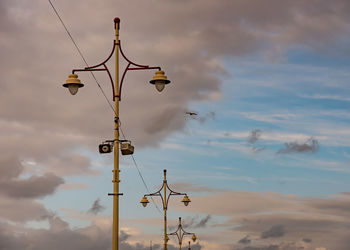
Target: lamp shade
{"type": "Point", "coordinates": [194, 238]}
{"type": "Point", "coordinates": [144, 201]}
{"type": "Point", "coordinates": [160, 80]}
{"type": "Point", "coordinates": [159, 85]}
{"type": "Point", "coordinates": [186, 200]}
{"type": "Point", "coordinates": [73, 84]}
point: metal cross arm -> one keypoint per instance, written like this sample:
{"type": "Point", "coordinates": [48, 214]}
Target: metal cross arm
{"type": "Point", "coordinates": [105, 68]}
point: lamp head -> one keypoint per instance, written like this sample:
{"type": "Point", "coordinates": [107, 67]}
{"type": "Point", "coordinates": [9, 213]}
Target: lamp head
{"type": "Point", "coordinates": [186, 200]}
{"type": "Point", "coordinates": [194, 238]}
{"type": "Point", "coordinates": [73, 84]}
{"type": "Point", "coordinates": [159, 80]}
{"type": "Point", "coordinates": [144, 201]}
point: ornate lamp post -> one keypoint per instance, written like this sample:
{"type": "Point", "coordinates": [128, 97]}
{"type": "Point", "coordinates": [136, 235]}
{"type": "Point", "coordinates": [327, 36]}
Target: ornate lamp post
{"type": "Point", "coordinates": [73, 84]}
{"type": "Point", "coordinates": [180, 233]}
{"type": "Point", "coordinates": [165, 202]}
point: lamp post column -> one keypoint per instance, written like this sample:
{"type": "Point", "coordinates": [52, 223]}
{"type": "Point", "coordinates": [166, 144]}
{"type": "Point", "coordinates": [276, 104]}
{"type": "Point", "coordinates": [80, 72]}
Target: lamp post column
{"type": "Point", "coordinates": [165, 208]}
{"type": "Point", "coordinates": [115, 243]}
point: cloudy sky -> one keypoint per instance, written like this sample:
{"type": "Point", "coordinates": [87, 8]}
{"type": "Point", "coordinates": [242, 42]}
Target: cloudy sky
{"type": "Point", "coordinates": [266, 160]}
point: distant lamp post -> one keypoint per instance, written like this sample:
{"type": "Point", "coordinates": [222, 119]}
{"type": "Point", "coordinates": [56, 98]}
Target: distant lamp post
{"type": "Point", "coordinates": [73, 84]}
{"type": "Point", "coordinates": [165, 201]}
{"type": "Point", "coordinates": [180, 233]}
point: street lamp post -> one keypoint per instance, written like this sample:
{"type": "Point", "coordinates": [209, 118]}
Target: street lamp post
{"type": "Point", "coordinates": [180, 233]}
{"type": "Point", "coordinates": [165, 202]}
{"type": "Point", "coordinates": [73, 84]}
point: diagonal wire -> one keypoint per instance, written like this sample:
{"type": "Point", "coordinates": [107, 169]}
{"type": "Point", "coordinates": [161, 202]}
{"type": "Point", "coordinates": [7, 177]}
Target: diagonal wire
{"type": "Point", "coordinates": [80, 53]}
{"type": "Point", "coordinates": [104, 94]}
{"type": "Point", "coordinates": [139, 172]}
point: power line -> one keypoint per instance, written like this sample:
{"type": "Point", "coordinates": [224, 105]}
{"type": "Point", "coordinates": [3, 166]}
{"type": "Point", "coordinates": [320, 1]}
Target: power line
{"type": "Point", "coordinates": [139, 172]}
{"type": "Point", "coordinates": [80, 53]}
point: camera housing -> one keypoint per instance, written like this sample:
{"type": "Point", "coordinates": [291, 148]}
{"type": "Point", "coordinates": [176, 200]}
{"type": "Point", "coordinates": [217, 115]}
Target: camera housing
{"type": "Point", "coordinates": [126, 148]}
{"type": "Point", "coordinates": [105, 148]}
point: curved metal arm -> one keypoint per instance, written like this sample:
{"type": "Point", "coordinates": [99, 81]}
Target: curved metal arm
{"type": "Point", "coordinates": [165, 202]}
{"type": "Point", "coordinates": [180, 232]}
{"type": "Point", "coordinates": [138, 67]}
{"type": "Point", "coordinates": [105, 68]}
{"type": "Point", "coordinates": [158, 193]}
{"type": "Point", "coordinates": [104, 62]}
{"type": "Point", "coordinates": [129, 61]}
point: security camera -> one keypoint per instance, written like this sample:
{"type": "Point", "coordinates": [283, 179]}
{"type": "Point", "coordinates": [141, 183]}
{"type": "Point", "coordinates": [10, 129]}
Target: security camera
{"type": "Point", "coordinates": [126, 148]}
{"type": "Point", "coordinates": [105, 148]}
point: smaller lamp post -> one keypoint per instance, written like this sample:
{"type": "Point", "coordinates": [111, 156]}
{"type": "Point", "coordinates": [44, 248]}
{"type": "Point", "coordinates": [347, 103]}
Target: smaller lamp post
{"type": "Point", "coordinates": [180, 233]}
{"type": "Point", "coordinates": [165, 202]}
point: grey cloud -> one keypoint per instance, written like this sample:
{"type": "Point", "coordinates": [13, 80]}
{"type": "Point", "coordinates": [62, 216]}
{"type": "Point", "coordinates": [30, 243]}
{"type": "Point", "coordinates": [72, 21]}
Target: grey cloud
{"type": "Point", "coordinates": [203, 222]}
{"type": "Point", "coordinates": [282, 219]}
{"type": "Point", "coordinates": [124, 245]}
{"type": "Point", "coordinates": [196, 223]}
{"type": "Point", "coordinates": [67, 239]}
{"type": "Point", "coordinates": [193, 223]}
{"type": "Point", "coordinates": [33, 187]}
{"type": "Point", "coordinates": [22, 210]}
{"type": "Point", "coordinates": [59, 236]}
{"type": "Point", "coordinates": [17, 193]}
{"type": "Point", "coordinates": [307, 240]}
{"type": "Point", "coordinates": [9, 240]}
{"type": "Point", "coordinates": [54, 238]}
{"type": "Point", "coordinates": [324, 232]}
{"type": "Point", "coordinates": [10, 167]}
{"type": "Point", "coordinates": [269, 247]}
{"type": "Point", "coordinates": [252, 140]}
{"type": "Point", "coordinates": [96, 207]}
{"type": "Point", "coordinates": [311, 146]}
{"type": "Point", "coordinates": [57, 224]}
{"type": "Point", "coordinates": [283, 246]}
{"type": "Point", "coordinates": [245, 240]}
{"type": "Point", "coordinates": [337, 206]}
{"type": "Point", "coordinates": [257, 149]}
{"type": "Point", "coordinates": [71, 164]}
{"type": "Point", "coordinates": [203, 118]}
{"type": "Point", "coordinates": [240, 29]}
{"type": "Point", "coordinates": [274, 232]}
{"type": "Point", "coordinates": [156, 123]}
{"type": "Point", "coordinates": [211, 115]}
{"type": "Point", "coordinates": [254, 136]}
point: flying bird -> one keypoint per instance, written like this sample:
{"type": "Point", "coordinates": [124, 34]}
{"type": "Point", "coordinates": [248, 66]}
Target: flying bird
{"type": "Point", "coordinates": [190, 113]}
